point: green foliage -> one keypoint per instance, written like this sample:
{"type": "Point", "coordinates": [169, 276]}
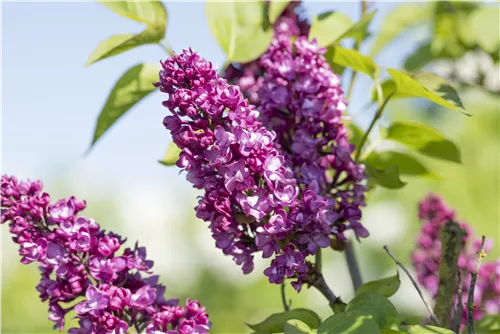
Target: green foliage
{"type": "Point", "coordinates": [488, 324]}
{"type": "Point", "coordinates": [152, 13]}
{"type": "Point", "coordinates": [171, 156]}
{"type": "Point", "coordinates": [389, 87]}
{"type": "Point", "coordinates": [386, 286]}
{"type": "Point", "coordinates": [295, 326]}
{"type": "Point", "coordinates": [359, 30]}
{"type": "Point", "coordinates": [429, 86]}
{"type": "Point", "coordinates": [483, 23]}
{"type": "Point", "coordinates": [241, 28]}
{"type": "Point", "coordinates": [387, 178]}
{"type": "Point", "coordinates": [132, 87]}
{"type": "Point", "coordinates": [407, 164]}
{"type": "Point", "coordinates": [355, 133]}
{"type": "Point", "coordinates": [349, 322]}
{"type": "Point", "coordinates": [399, 19]}
{"type": "Point", "coordinates": [421, 57]}
{"type": "Point", "coordinates": [275, 9]}
{"type": "Point", "coordinates": [424, 140]}
{"type": "Point", "coordinates": [417, 329]}
{"type": "Point", "coordinates": [353, 59]}
{"type": "Point", "coordinates": [329, 27]}
{"type": "Point", "coordinates": [382, 310]}
{"type": "Point", "coordinates": [275, 322]}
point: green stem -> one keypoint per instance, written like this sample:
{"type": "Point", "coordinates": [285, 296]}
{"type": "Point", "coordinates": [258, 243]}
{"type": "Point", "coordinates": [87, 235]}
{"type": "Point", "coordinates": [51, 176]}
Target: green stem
{"type": "Point", "coordinates": [318, 260]}
{"type": "Point", "coordinates": [166, 48]}
{"type": "Point", "coordinates": [378, 114]}
{"type": "Point", "coordinates": [470, 300]}
{"type": "Point", "coordinates": [451, 236]}
{"type": "Point", "coordinates": [286, 306]}
{"type": "Point", "coordinates": [352, 264]}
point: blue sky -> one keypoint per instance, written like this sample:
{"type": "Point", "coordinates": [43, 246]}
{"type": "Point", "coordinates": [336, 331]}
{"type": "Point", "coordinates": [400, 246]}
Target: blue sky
{"type": "Point", "coordinates": [50, 101]}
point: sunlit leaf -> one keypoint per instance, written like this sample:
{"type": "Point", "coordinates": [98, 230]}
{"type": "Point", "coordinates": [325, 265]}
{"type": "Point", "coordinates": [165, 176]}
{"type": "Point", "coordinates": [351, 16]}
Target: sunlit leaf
{"type": "Point", "coordinates": [484, 24]}
{"type": "Point", "coordinates": [359, 30]}
{"type": "Point", "coordinates": [240, 28]}
{"type": "Point", "coordinates": [353, 59]}
{"type": "Point", "coordinates": [396, 21]}
{"type": "Point", "coordinates": [276, 8]}
{"type": "Point", "coordinates": [152, 13]}
{"type": "Point", "coordinates": [429, 86]}
{"type": "Point", "coordinates": [386, 286]}
{"type": "Point", "coordinates": [352, 322]}
{"type": "Point", "coordinates": [418, 329]}
{"type": "Point", "coordinates": [275, 322]}
{"type": "Point", "coordinates": [388, 87]}
{"type": "Point", "coordinates": [355, 134]}
{"type": "Point", "coordinates": [171, 155]}
{"type": "Point", "coordinates": [407, 164]}
{"type": "Point", "coordinates": [378, 306]}
{"type": "Point", "coordinates": [328, 27]}
{"type": "Point", "coordinates": [295, 326]}
{"type": "Point", "coordinates": [387, 178]}
{"type": "Point", "coordinates": [132, 87]}
{"type": "Point", "coordinates": [424, 139]}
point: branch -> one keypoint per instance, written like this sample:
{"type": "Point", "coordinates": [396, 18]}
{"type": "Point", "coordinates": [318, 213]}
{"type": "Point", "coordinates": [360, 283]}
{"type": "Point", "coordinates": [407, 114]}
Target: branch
{"type": "Point", "coordinates": [431, 313]}
{"type": "Point", "coordinates": [352, 264]}
{"type": "Point", "coordinates": [286, 306]}
{"type": "Point", "coordinates": [320, 284]}
{"type": "Point", "coordinates": [451, 236]}
{"type": "Point", "coordinates": [470, 300]}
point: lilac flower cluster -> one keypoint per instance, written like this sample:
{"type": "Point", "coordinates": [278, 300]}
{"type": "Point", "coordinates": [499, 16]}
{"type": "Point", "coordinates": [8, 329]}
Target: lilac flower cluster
{"type": "Point", "coordinates": [77, 258]}
{"type": "Point", "coordinates": [434, 213]}
{"type": "Point", "coordinates": [249, 76]}
{"type": "Point", "coordinates": [303, 102]}
{"type": "Point", "coordinates": [251, 196]}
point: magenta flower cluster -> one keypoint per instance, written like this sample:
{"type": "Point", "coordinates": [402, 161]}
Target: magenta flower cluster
{"type": "Point", "coordinates": [249, 76]}
{"type": "Point", "coordinates": [77, 258]}
{"type": "Point", "coordinates": [434, 213]}
{"type": "Point", "coordinates": [252, 198]}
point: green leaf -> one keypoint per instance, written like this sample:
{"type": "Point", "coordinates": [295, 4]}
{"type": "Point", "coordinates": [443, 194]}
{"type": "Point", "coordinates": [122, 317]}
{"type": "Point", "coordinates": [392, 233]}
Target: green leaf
{"type": "Point", "coordinates": [378, 306]}
{"type": "Point", "coordinates": [487, 324]}
{"type": "Point", "coordinates": [295, 326]}
{"type": "Point", "coordinates": [359, 30]}
{"type": "Point", "coordinates": [355, 60]}
{"type": "Point", "coordinates": [148, 12]}
{"type": "Point", "coordinates": [352, 322]}
{"type": "Point", "coordinates": [407, 164]}
{"type": "Point", "coordinates": [328, 27]}
{"type": "Point", "coordinates": [429, 86]}
{"type": "Point", "coordinates": [275, 322]}
{"type": "Point", "coordinates": [424, 140]}
{"type": "Point", "coordinates": [386, 286]}
{"type": "Point", "coordinates": [389, 331]}
{"type": "Point", "coordinates": [131, 88]}
{"type": "Point", "coordinates": [395, 22]}
{"type": "Point", "coordinates": [387, 178]}
{"type": "Point", "coordinates": [152, 13]}
{"type": "Point", "coordinates": [484, 24]}
{"type": "Point", "coordinates": [355, 134]}
{"type": "Point", "coordinates": [417, 329]}
{"type": "Point", "coordinates": [171, 156]}
{"type": "Point", "coordinates": [418, 59]}
{"type": "Point", "coordinates": [388, 87]}
{"type": "Point", "coordinates": [276, 8]}
{"type": "Point", "coordinates": [240, 28]}
{"type": "Point", "coordinates": [339, 306]}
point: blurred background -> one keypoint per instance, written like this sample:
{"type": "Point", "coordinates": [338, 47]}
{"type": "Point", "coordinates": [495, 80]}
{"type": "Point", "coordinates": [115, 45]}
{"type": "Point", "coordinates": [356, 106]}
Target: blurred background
{"type": "Point", "coordinates": [50, 103]}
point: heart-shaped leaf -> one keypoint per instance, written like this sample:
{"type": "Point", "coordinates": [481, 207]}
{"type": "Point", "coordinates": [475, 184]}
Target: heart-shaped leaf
{"type": "Point", "coordinates": [387, 178]}
{"type": "Point", "coordinates": [429, 86]}
{"type": "Point", "coordinates": [382, 310]}
{"type": "Point", "coordinates": [407, 164]}
{"type": "Point", "coordinates": [328, 27]}
{"type": "Point", "coordinates": [132, 87]}
{"type": "Point", "coordinates": [353, 59]}
{"type": "Point", "coordinates": [352, 322]}
{"type": "Point", "coordinates": [240, 28]}
{"type": "Point", "coordinates": [424, 140]}
{"type": "Point", "coordinates": [386, 286]}
{"type": "Point", "coordinates": [295, 326]}
{"type": "Point", "coordinates": [275, 322]}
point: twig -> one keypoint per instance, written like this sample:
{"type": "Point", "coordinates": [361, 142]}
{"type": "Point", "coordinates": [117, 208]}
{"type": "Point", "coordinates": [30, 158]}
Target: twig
{"type": "Point", "coordinates": [286, 306]}
{"type": "Point", "coordinates": [352, 264]}
{"type": "Point", "coordinates": [470, 300]}
{"type": "Point", "coordinates": [320, 284]}
{"type": "Point", "coordinates": [431, 312]}
{"type": "Point", "coordinates": [451, 236]}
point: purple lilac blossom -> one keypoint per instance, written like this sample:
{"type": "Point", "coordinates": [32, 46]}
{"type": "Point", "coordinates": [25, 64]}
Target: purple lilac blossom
{"type": "Point", "coordinates": [251, 199]}
{"type": "Point", "coordinates": [78, 259]}
{"type": "Point", "coordinates": [249, 76]}
{"type": "Point", "coordinates": [434, 213]}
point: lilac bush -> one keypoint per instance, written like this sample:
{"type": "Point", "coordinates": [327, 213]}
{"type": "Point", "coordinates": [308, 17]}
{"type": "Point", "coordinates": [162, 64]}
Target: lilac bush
{"type": "Point", "coordinates": [79, 259]}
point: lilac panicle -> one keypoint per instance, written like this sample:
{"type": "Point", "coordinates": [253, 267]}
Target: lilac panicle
{"type": "Point", "coordinates": [434, 213]}
{"type": "Point", "coordinates": [79, 259]}
{"type": "Point", "coordinates": [251, 199]}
